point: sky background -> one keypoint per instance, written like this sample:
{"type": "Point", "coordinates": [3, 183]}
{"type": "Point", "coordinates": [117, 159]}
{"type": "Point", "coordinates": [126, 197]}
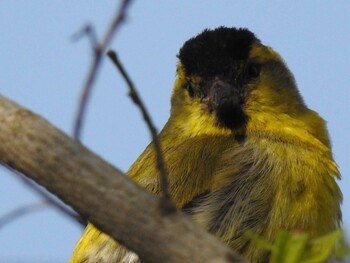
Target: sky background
{"type": "Point", "coordinates": [43, 70]}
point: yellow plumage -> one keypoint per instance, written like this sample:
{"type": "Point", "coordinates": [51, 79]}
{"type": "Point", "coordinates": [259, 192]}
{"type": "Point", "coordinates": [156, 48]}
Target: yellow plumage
{"type": "Point", "coordinates": [243, 151]}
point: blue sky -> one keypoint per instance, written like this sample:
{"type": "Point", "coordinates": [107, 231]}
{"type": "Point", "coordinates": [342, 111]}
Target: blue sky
{"type": "Point", "coordinates": [43, 70]}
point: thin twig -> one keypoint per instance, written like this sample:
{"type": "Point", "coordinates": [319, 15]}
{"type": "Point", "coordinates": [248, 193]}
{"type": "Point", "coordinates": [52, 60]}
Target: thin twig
{"type": "Point", "coordinates": [88, 31]}
{"type": "Point", "coordinates": [165, 203]}
{"type": "Point", "coordinates": [99, 49]}
{"type": "Point", "coordinates": [47, 198]}
{"type": "Point", "coordinates": [22, 211]}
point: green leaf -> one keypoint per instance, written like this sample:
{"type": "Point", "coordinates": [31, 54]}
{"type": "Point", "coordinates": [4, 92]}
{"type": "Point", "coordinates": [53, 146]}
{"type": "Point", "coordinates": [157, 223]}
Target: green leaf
{"type": "Point", "coordinates": [300, 248]}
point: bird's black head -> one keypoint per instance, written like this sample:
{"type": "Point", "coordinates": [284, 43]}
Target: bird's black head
{"type": "Point", "coordinates": [227, 79]}
{"type": "Point", "coordinates": [213, 52]}
{"type": "Point", "coordinates": [218, 59]}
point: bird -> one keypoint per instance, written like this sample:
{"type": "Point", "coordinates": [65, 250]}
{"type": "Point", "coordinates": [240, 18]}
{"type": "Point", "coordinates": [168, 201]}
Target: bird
{"type": "Point", "coordinates": [243, 151]}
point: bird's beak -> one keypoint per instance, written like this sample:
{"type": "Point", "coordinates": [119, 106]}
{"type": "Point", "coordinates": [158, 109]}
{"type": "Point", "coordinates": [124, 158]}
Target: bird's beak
{"type": "Point", "coordinates": [222, 96]}
{"type": "Point", "coordinates": [226, 100]}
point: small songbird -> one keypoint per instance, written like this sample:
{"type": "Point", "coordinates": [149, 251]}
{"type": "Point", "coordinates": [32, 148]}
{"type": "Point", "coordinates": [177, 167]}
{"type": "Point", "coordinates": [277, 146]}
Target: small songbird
{"type": "Point", "coordinates": [243, 151]}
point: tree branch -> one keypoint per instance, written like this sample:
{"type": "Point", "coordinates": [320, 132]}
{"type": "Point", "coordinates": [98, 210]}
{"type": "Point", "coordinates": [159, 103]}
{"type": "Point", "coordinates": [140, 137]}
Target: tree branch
{"type": "Point", "coordinates": [101, 193]}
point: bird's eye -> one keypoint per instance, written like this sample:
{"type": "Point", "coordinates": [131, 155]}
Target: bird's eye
{"type": "Point", "coordinates": [189, 88]}
{"type": "Point", "coordinates": [253, 71]}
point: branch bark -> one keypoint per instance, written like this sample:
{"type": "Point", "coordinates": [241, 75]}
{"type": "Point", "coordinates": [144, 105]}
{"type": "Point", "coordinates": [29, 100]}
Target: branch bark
{"type": "Point", "coordinates": [101, 193]}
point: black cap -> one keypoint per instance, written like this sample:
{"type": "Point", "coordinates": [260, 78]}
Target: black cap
{"type": "Point", "coordinates": [215, 51]}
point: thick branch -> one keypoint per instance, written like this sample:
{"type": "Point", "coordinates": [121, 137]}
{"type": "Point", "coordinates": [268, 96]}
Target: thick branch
{"type": "Point", "coordinates": [100, 192]}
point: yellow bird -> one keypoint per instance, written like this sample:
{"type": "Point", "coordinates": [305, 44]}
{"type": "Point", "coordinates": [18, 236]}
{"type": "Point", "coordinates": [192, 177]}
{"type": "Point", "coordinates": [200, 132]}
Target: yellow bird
{"type": "Point", "coordinates": [244, 152]}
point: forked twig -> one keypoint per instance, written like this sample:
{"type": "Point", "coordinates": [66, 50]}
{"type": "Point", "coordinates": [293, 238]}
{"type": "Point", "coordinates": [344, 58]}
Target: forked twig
{"type": "Point", "coordinates": [166, 204]}
{"type": "Point", "coordinates": [99, 49]}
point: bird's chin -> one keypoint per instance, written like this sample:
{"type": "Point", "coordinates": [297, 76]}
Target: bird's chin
{"type": "Point", "coordinates": [232, 118]}
{"type": "Point", "coordinates": [228, 115]}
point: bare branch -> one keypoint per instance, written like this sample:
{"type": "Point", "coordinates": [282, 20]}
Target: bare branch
{"type": "Point", "coordinates": [99, 49]}
{"type": "Point", "coordinates": [101, 193]}
{"type": "Point", "coordinates": [165, 203]}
